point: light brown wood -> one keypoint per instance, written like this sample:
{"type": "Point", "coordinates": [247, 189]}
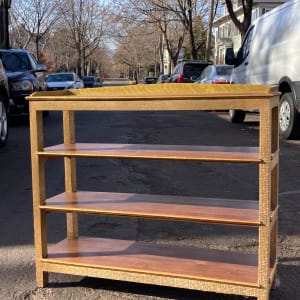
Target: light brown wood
{"type": "Point", "coordinates": [70, 170]}
{"type": "Point", "coordinates": [175, 152]}
{"type": "Point", "coordinates": [165, 91]}
{"type": "Point", "coordinates": [182, 262]}
{"type": "Point", "coordinates": [38, 195]}
{"type": "Point", "coordinates": [208, 270]}
{"type": "Point", "coordinates": [208, 210]}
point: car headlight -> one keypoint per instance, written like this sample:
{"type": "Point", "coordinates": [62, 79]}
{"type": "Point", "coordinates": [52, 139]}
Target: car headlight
{"type": "Point", "coordinates": [22, 85]}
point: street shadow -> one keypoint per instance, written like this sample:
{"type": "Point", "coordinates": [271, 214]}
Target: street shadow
{"type": "Point", "coordinates": [139, 290]}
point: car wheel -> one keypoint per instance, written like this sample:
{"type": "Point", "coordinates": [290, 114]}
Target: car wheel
{"type": "Point", "coordinates": [3, 123]}
{"type": "Point", "coordinates": [289, 119]}
{"type": "Point", "coordinates": [237, 116]}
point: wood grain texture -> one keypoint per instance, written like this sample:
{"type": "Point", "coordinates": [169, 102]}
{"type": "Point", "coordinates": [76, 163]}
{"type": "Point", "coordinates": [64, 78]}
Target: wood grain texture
{"type": "Point", "coordinates": [165, 91]}
{"type": "Point", "coordinates": [182, 262]}
{"type": "Point", "coordinates": [209, 270]}
{"type": "Point", "coordinates": [208, 210]}
{"type": "Point", "coordinates": [143, 151]}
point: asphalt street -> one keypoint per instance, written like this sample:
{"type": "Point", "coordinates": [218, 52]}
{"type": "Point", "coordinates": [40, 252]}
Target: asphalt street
{"type": "Point", "coordinates": [17, 275]}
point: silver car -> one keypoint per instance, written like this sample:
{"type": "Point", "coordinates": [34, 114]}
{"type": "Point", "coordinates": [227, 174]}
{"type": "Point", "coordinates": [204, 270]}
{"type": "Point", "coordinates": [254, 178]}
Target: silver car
{"type": "Point", "coordinates": [63, 81]}
{"type": "Point", "coordinates": [216, 74]}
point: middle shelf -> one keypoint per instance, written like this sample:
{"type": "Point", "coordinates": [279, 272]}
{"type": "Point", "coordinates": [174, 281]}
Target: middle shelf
{"type": "Point", "coordinates": [184, 208]}
{"type": "Point", "coordinates": [154, 151]}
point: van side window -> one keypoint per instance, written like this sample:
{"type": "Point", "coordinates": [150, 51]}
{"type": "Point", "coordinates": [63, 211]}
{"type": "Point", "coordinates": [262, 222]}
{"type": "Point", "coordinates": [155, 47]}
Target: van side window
{"type": "Point", "coordinates": [244, 51]}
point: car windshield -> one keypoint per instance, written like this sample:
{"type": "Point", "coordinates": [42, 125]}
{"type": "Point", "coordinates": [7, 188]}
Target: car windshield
{"type": "Point", "coordinates": [224, 70]}
{"type": "Point", "coordinates": [194, 70]}
{"type": "Point", "coordinates": [89, 79]}
{"type": "Point", "coordinates": [14, 62]}
{"type": "Point", "coordinates": [60, 77]}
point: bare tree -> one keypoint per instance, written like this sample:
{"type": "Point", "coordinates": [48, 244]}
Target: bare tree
{"type": "Point", "coordinates": [166, 13]}
{"type": "Point", "coordinates": [247, 13]}
{"type": "Point", "coordinates": [87, 21]}
{"type": "Point", "coordinates": [61, 47]}
{"type": "Point", "coordinates": [135, 51]}
{"type": "Point", "coordinates": [187, 11]}
{"type": "Point", "coordinates": [36, 18]}
{"type": "Point", "coordinates": [153, 13]}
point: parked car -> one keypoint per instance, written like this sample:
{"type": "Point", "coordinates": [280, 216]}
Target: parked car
{"type": "Point", "coordinates": [163, 78]}
{"type": "Point", "coordinates": [4, 102]}
{"type": "Point", "coordinates": [25, 76]}
{"type": "Point", "coordinates": [149, 80]}
{"type": "Point", "coordinates": [216, 74]}
{"type": "Point", "coordinates": [92, 81]}
{"type": "Point", "coordinates": [188, 71]}
{"type": "Point", "coordinates": [63, 81]}
{"type": "Point", "coordinates": [270, 54]}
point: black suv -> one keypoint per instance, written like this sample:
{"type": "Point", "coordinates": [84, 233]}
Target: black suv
{"type": "Point", "coordinates": [25, 76]}
{"type": "Point", "coordinates": [188, 71]}
{"type": "Point", "coordinates": [4, 100]}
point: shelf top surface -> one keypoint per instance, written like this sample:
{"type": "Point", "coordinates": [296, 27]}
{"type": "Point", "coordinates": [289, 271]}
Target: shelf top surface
{"type": "Point", "coordinates": [161, 91]}
{"type": "Point", "coordinates": [170, 207]}
{"type": "Point", "coordinates": [172, 261]}
{"type": "Point", "coordinates": [179, 152]}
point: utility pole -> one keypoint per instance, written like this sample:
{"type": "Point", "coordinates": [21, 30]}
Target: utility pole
{"type": "Point", "coordinates": [4, 34]}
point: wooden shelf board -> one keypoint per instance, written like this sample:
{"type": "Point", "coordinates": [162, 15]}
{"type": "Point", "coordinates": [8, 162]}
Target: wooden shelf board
{"type": "Point", "coordinates": [177, 152]}
{"type": "Point", "coordinates": [209, 210]}
{"type": "Point", "coordinates": [166, 91]}
{"type": "Point", "coordinates": [165, 260]}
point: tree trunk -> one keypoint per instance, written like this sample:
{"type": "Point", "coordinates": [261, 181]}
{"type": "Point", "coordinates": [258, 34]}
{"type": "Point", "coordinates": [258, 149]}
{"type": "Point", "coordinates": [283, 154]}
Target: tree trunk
{"type": "Point", "coordinates": [209, 30]}
{"type": "Point", "coordinates": [247, 9]}
{"type": "Point", "coordinates": [4, 33]}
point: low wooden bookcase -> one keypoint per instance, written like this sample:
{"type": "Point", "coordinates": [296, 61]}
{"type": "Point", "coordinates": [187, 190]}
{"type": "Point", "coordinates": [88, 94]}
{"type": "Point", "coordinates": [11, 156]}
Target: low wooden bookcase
{"type": "Point", "coordinates": [199, 269]}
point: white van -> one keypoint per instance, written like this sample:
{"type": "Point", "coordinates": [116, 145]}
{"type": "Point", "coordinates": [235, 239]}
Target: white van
{"type": "Point", "coordinates": [270, 54]}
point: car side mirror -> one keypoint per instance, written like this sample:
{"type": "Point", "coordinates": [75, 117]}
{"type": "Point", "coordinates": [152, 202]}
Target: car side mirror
{"type": "Point", "coordinates": [229, 57]}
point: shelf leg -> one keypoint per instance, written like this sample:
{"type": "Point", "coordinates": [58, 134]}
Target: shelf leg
{"type": "Point", "coordinates": [72, 226]}
{"type": "Point", "coordinates": [267, 199]}
{"type": "Point", "coordinates": [38, 194]}
{"type": "Point", "coordinates": [70, 171]}
{"type": "Point", "coordinates": [42, 278]}
{"type": "Point", "coordinates": [263, 295]}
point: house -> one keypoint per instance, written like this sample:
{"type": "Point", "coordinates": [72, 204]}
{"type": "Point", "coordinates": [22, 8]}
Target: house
{"type": "Point", "coordinates": [226, 33]}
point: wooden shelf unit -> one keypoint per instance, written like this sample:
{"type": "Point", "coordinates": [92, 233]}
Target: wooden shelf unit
{"type": "Point", "coordinates": [199, 269]}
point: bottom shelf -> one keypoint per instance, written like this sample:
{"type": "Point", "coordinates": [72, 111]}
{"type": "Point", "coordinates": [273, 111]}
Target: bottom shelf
{"type": "Point", "coordinates": [75, 255]}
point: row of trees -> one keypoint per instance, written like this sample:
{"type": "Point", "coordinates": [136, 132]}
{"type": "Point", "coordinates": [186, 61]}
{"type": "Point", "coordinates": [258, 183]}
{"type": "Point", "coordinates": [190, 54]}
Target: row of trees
{"type": "Point", "coordinates": [66, 35]}
{"type": "Point", "coordinates": [123, 36]}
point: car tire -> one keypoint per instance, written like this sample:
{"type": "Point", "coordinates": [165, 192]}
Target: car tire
{"type": "Point", "coordinates": [237, 116]}
{"type": "Point", "coordinates": [3, 122]}
{"type": "Point", "coordinates": [289, 118]}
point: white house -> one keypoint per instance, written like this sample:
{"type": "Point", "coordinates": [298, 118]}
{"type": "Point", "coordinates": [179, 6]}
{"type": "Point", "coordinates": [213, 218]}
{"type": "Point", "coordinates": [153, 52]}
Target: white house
{"type": "Point", "coordinates": [226, 33]}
